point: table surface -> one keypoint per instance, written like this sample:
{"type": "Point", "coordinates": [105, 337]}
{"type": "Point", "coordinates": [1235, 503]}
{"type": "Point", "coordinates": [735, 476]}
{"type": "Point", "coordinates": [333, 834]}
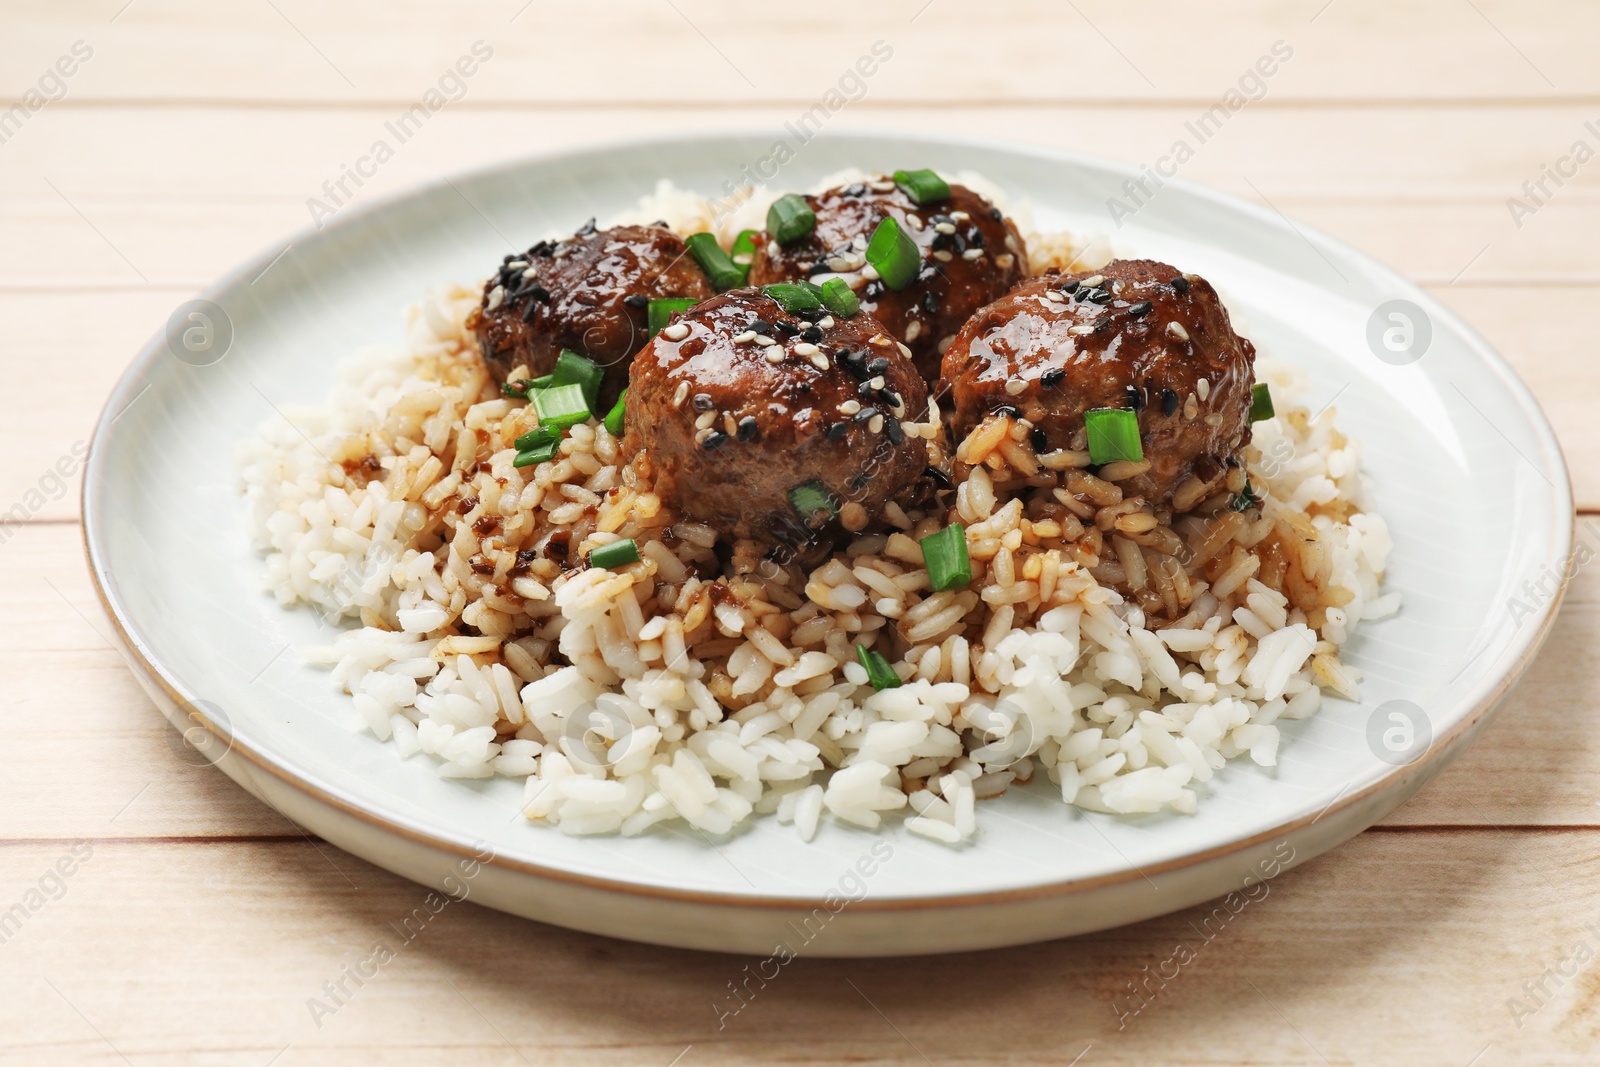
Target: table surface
{"type": "Point", "coordinates": [196, 923]}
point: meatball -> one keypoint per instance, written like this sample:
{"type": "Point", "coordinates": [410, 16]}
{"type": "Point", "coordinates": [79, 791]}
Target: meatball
{"type": "Point", "coordinates": [1136, 334]}
{"type": "Point", "coordinates": [971, 254]}
{"type": "Point", "coordinates": [590, 292]}
{"type": "Point", "coordinates": [768, 425]}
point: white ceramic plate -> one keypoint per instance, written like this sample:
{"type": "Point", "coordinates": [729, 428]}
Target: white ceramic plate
{"type": "Point", "coordinates": [1461, 463]}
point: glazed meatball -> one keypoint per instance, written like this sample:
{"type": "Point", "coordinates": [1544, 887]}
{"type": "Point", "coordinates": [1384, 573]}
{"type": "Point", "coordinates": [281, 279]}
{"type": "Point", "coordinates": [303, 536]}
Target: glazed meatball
{"type": "Point", "coordinates": [590, 292]}
{"type": "Point", "coordinates": [738, 404]}
{"type": "Point", "coordinates": [1136, 334]}
{"type": "Point", "coordinates": [971, 254]}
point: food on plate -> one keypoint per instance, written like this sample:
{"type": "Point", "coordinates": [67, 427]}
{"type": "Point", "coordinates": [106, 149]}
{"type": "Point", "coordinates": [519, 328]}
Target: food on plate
{"type": "Point", "coordinates": [589, 293]}
{"type": "Point", "coordinates": [1109, 554]}
{"type": "Point", "coordinates": [769, 417]}
{"type": "Point", "coordinates": [922, 254]}
{"type": "Point", "coordinates": [1135, 336]}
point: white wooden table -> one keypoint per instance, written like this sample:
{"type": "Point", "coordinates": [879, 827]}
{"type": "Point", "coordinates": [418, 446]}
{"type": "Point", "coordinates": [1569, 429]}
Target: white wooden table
{"type": "Point", "coordinates": [195, 924]}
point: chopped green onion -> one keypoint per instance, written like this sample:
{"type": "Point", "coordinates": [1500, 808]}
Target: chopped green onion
{"type": "Point", "coordinates": [1113, 435]}
{"type": "Point", "coordinates": [1261, 402]}
{"type": "Point", "coordinates": [793, 297]}
{"type": "Point", "coordinates": [945, 555]}
{"type": "Point", "coordinates": [723, 272]}
{"type": "Point", "coordinates": [539, 435]}
{"type": "Point", "coordinates": [541, 453]}
{"type": "Point", "coordinates": [542, 382]}
{"type": "Point", "coordinates": [744, 251]}
{"type": "Point", "coordinates": [790, 218]}
{"type": "Point", "coordinates": [573, 369]}
{"type": "Point", "coordinates": [840, 298]}
{"type": "Point", "coordinates": [561, 406]}
{"type": "Point", "coordinates": [517, 390]}
{"type": "Point", "coordinates": [811, 498]}
{"type": "Point", "coordinates": [923, 186]}
{"type": "Point", "coordinates": [1246, 499]}
{"type": "Point", "coordinates": [661, 311]}
{"type": "Point", "coordinates": [614, 416]}
{"type": "Point", "coordinates": [879, 673]}
{"type": "Point", "coordinates": [616, 554]}
{"type": "Point", "coordinates": [893, 254]}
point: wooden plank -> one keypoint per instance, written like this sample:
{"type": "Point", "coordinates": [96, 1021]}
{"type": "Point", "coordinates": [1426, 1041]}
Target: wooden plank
{"type": "Point", "coordinates": [1531, 768]}
{"type": "Point", "coordinates": [1324, 966]}
{"type": "Point", "coordinates": [709, 52]}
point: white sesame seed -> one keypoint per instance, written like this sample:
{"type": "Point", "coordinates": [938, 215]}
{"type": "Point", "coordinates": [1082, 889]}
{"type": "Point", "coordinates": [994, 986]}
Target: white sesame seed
{"type": "Point", "coordinates": [850, 407]}
{"type": "Point", "coordinates": [946, 342]}
{"type": "Point", "coordinates": [869, 272]}
{"type": "Point", "coordinates": [1004, 260]}
{"type": "Point", "coordinates": [910, 429]}
{"type": "Point", "coordinates": [825, 323]}
{"type": "Point", "coordinates": [942, 256]}
{"type": "Point", "coordinates": [805, 348]}
{"type": "Point", "coordinates": [1054, 296]}
{"type": "Point", "coordinates": [876, 382]}
{"type": "Point", "coordinates": [859, 242]}
{"type": "Point", "coordinates": [944, 227]}
{"type": "Point", "coordinates": [960, 216]}
{"type": "Point", "coordinates": [875, 424]}
{"type": "Point", "coordinates": [1016, 386]}
{"type": "Point", "coordinates": [774, 355]}
{"type": "Point", "coordinates": [516, 264]}
{"type": "Point", "coordinates": [763, 340]}
{"type": "Point", "coordinates": [1090, 283]}
{"type": "Point", "coordinates": [913, 330]}
{"type": "Point", "coordinates": [904, 351]}
{"type": "Point", "coordinates": [914, 221]}
{"type": "Point", "coordinates": [705, 419]}
{"type": "Point", "coordinates": [880, 340]}
{"type": "Point", "coordinates": [838, 264]}
{"type": "Point", "coordinates": [1081, 330]}
{"type": "Point", "coordinates": [745, 338]}
{"type": "Point", "coordinates": [819, 361]}
{"type": "Point", "coordinates": [899, 406]}
{"type": "Point", "coordinates": [1175, 329]}
{"type": "Point", "coordinates": [701, 435]}
{"type": "Point", "coordinates": [531, 272]}
{"type": "Point", "coordinates": [1011, 242]}
{"type": "Point", "coordinates": [1190, 407]}
{"type": "Point", "coordinates": [882, 187]}
{"type": "Point", "coordinates": [676, 332]}
{"type": "Point", "coordinates": [1213, 420]}
{"type": "Point", "coordinates": [804, 325]}
{"type": "Point", "coordinates": [728, 424]}
{"type": "Point", "coordinates": [971, 254]}
{"type": "Point", "coordinates": [680, 395]}
{"type": "Point", "coordinates": [497, 296]}
{"type": "Point", "coordinates": [1203, 387]}
{"type": "Point", "coordinates": [1118, 286]}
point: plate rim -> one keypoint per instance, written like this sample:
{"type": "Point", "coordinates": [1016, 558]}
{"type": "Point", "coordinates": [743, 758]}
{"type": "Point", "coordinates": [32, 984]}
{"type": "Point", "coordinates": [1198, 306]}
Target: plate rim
{"type": "Point", "coordinates": [1481, 702]}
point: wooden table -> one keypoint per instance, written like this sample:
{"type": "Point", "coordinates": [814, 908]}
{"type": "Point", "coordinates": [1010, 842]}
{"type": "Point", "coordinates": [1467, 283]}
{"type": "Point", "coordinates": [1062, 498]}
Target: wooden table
{"type": "Point", "coordinates": [195, 924]}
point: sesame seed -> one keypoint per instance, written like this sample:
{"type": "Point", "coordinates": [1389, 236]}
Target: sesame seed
{"type": "Point", "coordinates": [517, 264]}
{"type": "Point", "coordinates": [763, 340]}
{"type": "Point", "coordinates": [703, 402]}
{"type": "Point", "coordinates": [1140, 310]}
{"type": "Point", "coordinates": [875, 383]}
{"type": "Point", "coordinates": [1175, 329]}
{"type": "Point", "coordinates": [850, 407]}
{"type": "Point", "coordinates": [728, 424]}
{"type": "Point", "coordinates": [1053, 377]}
{"type": "Point", "coordinates": [704, 420]}
{"type": "Point", "coordinates": [896, 432]}
{"type": "Point", "coordinates": [826, 322]}
{"type": "Point", "coordinates": [533, 272]}
{"type": "Point", "coordinates": [774, 356]}
{"type": "Point", "coordinates": [1039, 441]}
{"type": "Point", "coordinates": [1213, 420]}
{"type": "Point", "coordinates": [805, 348]}
{"type": "Point", "coordinates": [930, 302]}
{"type": "Point", "coordinates": [804, 325]}
{"type": "Point", "coordinates": [914, 221]}
{"type": "Point", "coordinates": [1016, 386]}
{"type": "Point", "coordinates": [1180, 283]}
{"type": "Point", "coordinates": [1191, 407]}
{"type": "Point", "coordinates": [680, 395]}
{"type": "Point", "coordinates": [676, 332]}
{"type": "Point", "coordinates": [745, 338]}
{"type": "Point", "coordinates": [1090, 283]}
{"type": "Point", "coordinates": [747, 428]}
{"type": "Point", "coordinates": [1005, 260]}
{"type": "Point", "coordinates": [837, 430]}
{"type": "Point", "coordinates": [875, 424]}
{"type": "Point", "coordinates": [971, 254]}
{"type": "Point", "coordinates": [1054, 296]}
{"type": "Point", "coordinates": [819, 361]}
{"type": "Point", "coordinates": [866, 415]}
{"type": "Point", "coordinates": [881, 340]}
{"type": "Point", "coordinates": [913, 330]}
{"type": "Point", "coordinates": [945, 227]}
{"type": "Point", "coordinates": [497, 296]}
{"type": "Point", "coordinates": [945, 343]}
{"type": "Point", "coordinates": [839, 264]}
{"type": "Point", "coordinates": [882, 187]}
{"type": "Point", "coordinates": [1203, 387]}
{"type": "Point", "coordinates": [942, 256]}
{"type": "Point", "coordinates": [960, 216]}
{"type": "Point", "coordinates": [1169, 403]}
{"type": "Point", "coordinates": [904, 351]}
{"type": "Point", "coordinates": [869, 272]}
{"type": "Point", "coordinates": [1080, 330]}
{"type": "Point", "coordinates": [714, 440]}
{"type": "Point", "coordinates": [636, 300]}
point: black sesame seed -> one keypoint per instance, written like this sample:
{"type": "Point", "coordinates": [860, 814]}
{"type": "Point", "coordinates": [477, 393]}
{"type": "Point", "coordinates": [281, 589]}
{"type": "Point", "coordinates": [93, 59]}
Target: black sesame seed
{"type": "Point", "coordinates": [935, 220]}
{"type": "Point", "coordinates": [1181, 284]}
{"type": "Point", "coordinates": [636, 300]}
{"type": "Point", "coordinates": [539, 293]}
{"type": "Point", "coordinates": [879, 365]}
{"type": "Point", "coordinates": [1100, 296]}
{"type": "Point", "coordinates": [1069, 286]}
{"type": "Point", "coordinates": [928, 272]}
{"type": "Point", "coordinates": [837, 430]}
{"type": "Point", "coordinates": [974, 237]}
{"type": "Point", "coordinates": [958, 244]}
{"type": "Point", "coordinates": [859, 481]}
{"type": "Point", "coordinates": [854, 189]}
{"type": "Point", "coordinates": [760, 326]}
{"type": "Point", "coordinates": [865, 414]}
{"type": "Point", "coordinates": [1053, 377]}
{"type": "Point", "coordinates": [1040, 442]}
{"type": "Point", "coordinates": [1135, 397]}
{"type": "Point", "coordinates": [587, 228]}
{"type": "Point", "coordinates": [1169, 403]}
{"type": "Point", "coordinates": [529, 310]}
{"type": "Point", "coordinates": [1007, 409]}
{"type": "Point", "coordinates": [996, 214]}
{"type": "Point", "coordinates": [892, 428]}
{"type": "Point", "coordinates": [703, 402]}
{"type": "Point", "coordinates": [886, 396]}
{"type": "Point", "coordinates": [509, 258]}
{"type": "Point", "coordinates": [714, 440]}
{"type": "Point", "coordinates": [865, 391]}
{"type": "Point", "coordinates": [819, 267]}
{"type": "Point", "coordinates": [930, 303]}
{"type": "Point", "coordinates": [811, 333]}
{"type": "Point", "coordinates": [747, 428]}
{"type": "Point", "coordinates": [661, 224]}
{"type": "Point", "coordinates": [788, 329]}
{"type": "Point", "coordinates": [1140, 310]}
{"type": "Point", "coordinates": [873, 290]}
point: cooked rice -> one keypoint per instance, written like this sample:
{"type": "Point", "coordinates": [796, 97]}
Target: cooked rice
{"type": "Point", "coordinates": [627, 698]}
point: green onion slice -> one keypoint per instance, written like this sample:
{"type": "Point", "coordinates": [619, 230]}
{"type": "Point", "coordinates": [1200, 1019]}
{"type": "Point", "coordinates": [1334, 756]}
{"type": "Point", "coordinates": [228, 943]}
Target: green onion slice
{"type": "Point", "coordinates": [1113, 435]}
{"type": "Point", "coordinates": [744, 249]}
{"type": "Point", "coordinates": [539, 435]}
{"type": "Point", "coordinates": [1246, 499]}
{"type": "Point", "coordinates": [893, 254]}
{"type": "Point", "coordinates": [539, 453]}
{"type": "Point", "coordinates": [879, 673]}
{"type": "Point", "coordinates": [573, 369]}
{"type": "Point", "coordinates": [811, 499]}
{"type": "Point", "coordinates": [790, 218]}
{"type": "Point", "coordinates": [517, 390]}
{"type": "Point", "coordinates": [840, 299]}
{"type": "Point", "coordinates": [616, 554]}
{"type": "Point", "coordinates": [1261, 402]}
{"type": "Point", "coordinates": [661, 311]}
{"type": "Point", "coordinates": [945, 555]}
{"type": "Point", "coordinates": [723, 272]}
{"type": "Point", "coordinates": [542, 382]}
{"type": "Point", "coordinates": [923, 186]}
{"type": "Point", "coordinates": [614, 416]}
{"type": "Point", "coordinates": [794, 297]}
{"type": "Point", "coordinates": [561, 406]}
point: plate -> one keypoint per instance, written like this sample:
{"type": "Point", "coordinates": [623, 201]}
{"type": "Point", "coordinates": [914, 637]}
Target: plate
{"type": "Point", "coordinates": [1460, 460]}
